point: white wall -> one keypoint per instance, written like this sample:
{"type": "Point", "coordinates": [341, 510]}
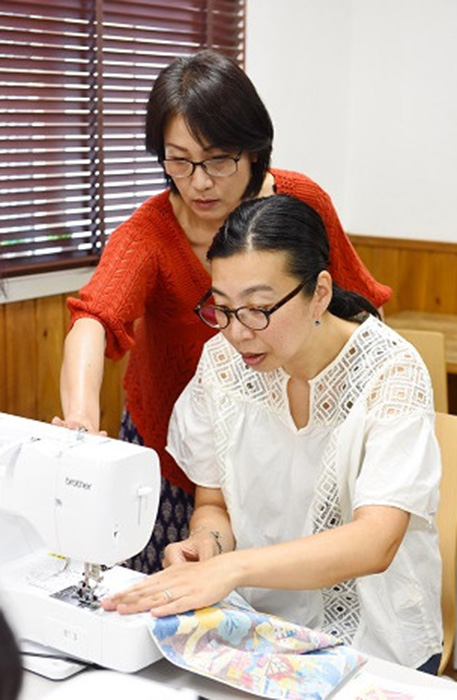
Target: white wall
{"type": "Point", "coordinates": [363, 94]}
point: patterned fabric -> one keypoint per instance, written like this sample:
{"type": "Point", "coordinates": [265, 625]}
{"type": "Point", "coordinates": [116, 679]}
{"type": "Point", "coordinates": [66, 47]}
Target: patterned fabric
{"type": "Point", "coordinates": [175, 510]}
{"type": "Point", "coordinates": [145, 287]}
{"type": "Point", "coordinates": [232, 643]}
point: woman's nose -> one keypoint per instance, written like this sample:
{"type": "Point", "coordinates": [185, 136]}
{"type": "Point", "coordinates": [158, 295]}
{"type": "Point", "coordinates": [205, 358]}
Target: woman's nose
{"type": "Point", "coordinates": [201, 179]}
{"type": "Point", "coordinates": [237, 331]}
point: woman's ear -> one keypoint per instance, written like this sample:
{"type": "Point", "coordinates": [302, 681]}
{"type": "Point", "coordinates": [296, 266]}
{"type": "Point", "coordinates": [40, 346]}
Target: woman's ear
{"type": "Point", "coordinates": [323, 292]}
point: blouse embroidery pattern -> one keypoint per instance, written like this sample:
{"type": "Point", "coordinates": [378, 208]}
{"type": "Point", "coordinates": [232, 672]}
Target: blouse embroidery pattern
{"type": "Point", "coordinates": [373, 366]}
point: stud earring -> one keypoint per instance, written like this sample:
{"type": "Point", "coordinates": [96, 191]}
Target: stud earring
{"type": "Point", "coordinates": [317, 322]}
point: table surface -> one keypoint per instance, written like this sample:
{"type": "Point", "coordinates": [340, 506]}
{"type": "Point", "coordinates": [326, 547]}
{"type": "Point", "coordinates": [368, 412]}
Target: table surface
{"type": "Point", "coordinates": [428, 321]}
{"type": "Point", "coordinates": [36, 687]}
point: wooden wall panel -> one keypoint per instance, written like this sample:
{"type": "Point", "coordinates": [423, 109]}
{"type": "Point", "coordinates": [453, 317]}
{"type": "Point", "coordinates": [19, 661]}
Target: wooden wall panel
{"type": "Point", "coordinates": [413, 280]}
{"type": "Point", "coordinates": [32, 335]}
{"type": "Point", "coordinates": [443, 283]}
{"type": "Point", "coordinates": [21, 358]}
{"type": "Point", "coordinates": [50, 334]}
{"type": "Point", "coordinates": [3, 399]}
{"type": "Point", "coordinates": [422, 274]}
{"type": "Point", "coordinates": [112, 396]}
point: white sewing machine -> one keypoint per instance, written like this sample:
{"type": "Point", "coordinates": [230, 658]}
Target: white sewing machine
{"type": "Point", "coordinates": [72, 504]}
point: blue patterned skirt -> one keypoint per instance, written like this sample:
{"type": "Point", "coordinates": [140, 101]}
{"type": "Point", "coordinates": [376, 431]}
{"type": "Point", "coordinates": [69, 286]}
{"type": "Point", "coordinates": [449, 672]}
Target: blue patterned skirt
{"type": "Point", "coordinates": [175, 509]}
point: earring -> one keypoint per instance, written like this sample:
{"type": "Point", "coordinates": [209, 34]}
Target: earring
{"type": "Point", "coordinates": [317, 322]}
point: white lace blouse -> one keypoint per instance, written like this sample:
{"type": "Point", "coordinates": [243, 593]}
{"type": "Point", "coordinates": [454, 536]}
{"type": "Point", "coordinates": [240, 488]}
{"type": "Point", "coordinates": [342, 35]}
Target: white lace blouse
{"type": "Point", "coordinates": [369, 440]}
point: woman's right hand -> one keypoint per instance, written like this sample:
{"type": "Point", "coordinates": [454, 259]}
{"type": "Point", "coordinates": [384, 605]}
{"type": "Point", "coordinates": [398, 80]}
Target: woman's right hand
{"type": "Point", "coordinates": [81, 377]}
{"type": "Point", "coordinates": [78, 424]}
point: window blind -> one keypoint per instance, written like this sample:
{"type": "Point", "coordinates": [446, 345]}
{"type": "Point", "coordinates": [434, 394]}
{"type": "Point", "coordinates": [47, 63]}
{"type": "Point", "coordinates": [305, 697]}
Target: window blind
{"type": "Point", "coordinates": [74, 81]}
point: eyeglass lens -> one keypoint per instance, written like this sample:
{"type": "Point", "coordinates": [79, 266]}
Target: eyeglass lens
{"type": "Point", "coordinates": [256, 319]}
{"type": "Point", "coordinates": [215, 167]}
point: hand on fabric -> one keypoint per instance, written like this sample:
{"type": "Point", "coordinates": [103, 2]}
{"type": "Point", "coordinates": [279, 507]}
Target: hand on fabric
{"type": "Point", "coordinates": [177, 589]}
{"type": "Point", "coordinates": [85, 426]}
{"type": "Point", "coordinates": [199, 546]}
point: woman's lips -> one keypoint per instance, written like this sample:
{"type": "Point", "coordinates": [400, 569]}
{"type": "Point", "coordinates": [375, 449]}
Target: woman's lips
{"type": "Point", "coordinates": [205, 204]}
{"type": "Point", "coordinates": [252, 359]}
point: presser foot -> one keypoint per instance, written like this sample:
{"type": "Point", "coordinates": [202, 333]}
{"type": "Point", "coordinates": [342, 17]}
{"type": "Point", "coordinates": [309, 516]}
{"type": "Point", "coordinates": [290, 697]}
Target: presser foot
{"type": "Point", "coordinates": [89, 590]}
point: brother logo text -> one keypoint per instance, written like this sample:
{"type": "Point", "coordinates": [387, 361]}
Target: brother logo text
{"type": "Point", "coordinates": [78, 484]}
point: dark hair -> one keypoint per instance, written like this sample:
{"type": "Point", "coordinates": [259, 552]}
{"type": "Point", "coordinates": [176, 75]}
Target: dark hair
{"type": "Point", "coordinates": [219, 104]}
{"type": "Point", "coordinates": [10, 663]}
{"type": "Point", "coordinates": [288, 225]}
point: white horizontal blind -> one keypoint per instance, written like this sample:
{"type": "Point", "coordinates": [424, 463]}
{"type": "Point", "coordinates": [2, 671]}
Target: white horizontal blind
{"type": "Point", "coordinates": [75, 76]}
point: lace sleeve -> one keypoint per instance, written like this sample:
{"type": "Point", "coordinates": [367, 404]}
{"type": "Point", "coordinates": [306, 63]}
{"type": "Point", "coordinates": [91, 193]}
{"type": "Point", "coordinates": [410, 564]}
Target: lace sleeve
{"type": "Point", "coordinates": [191, 434]}
{"type": "Point", "coordinates": [401, 464]}
{"type": "Point", "coordinates": [403, 386]}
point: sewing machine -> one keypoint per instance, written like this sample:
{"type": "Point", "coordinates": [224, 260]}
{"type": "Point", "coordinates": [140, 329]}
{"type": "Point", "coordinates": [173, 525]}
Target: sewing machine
{"type": "Point", "coordinates": [72, 506]}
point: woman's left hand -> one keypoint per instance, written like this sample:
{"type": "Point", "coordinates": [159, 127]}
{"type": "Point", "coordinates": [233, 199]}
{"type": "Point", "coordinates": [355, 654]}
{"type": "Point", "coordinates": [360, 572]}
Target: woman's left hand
{"type": "Point", "coordinates": [177, 589]}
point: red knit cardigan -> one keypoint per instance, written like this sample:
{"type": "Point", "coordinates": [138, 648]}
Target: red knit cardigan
{"type": "Point", "coordinates": [144, 290]}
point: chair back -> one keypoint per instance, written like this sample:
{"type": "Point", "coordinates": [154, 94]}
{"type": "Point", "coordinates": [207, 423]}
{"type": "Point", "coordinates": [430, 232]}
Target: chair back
{"type": "Point", "coordinates": [430, 346]}
{"type": "Point", "coordinates": [446, 431]}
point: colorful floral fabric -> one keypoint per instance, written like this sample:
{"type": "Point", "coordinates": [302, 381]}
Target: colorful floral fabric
{"type": "Point", "coordinates": [261, 654]}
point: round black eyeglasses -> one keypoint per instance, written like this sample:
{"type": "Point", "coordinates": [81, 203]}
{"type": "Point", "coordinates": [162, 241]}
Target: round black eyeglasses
{"type": "Point", "coordinates": [219, 166]}
{"type": "Point", "coordinates": [254, 318]}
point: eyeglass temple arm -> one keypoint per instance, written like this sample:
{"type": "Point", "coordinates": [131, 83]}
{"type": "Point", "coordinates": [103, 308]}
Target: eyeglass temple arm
{"type": "Point", "coordinates": [204, 298]}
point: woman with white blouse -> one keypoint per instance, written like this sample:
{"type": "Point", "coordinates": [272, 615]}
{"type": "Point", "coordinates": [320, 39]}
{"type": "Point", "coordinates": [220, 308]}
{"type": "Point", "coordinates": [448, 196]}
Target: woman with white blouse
{"type": "Point", "coordinates": [309, 432]}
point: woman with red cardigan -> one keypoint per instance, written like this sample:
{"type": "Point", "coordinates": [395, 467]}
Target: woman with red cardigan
{"type": "Point", "coordinates": [213, 137]}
